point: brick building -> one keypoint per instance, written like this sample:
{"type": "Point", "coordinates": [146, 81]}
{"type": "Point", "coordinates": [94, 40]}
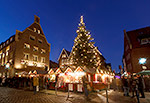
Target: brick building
{"type": "Point", "coordinates": [27, 50]}
{"type": "Point", "coordinates": [136, 46]}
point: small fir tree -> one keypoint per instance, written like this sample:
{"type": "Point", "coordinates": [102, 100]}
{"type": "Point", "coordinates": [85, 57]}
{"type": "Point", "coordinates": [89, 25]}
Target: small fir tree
{"type": "Point", "coordinates": [83, 52]}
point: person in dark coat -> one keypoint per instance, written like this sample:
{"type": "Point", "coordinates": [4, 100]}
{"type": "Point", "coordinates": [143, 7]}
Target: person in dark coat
{"type": "Point", "coordinates": [125, 86]}
{"type": "Point", "coordinates": [141, 86]}
{"type": "Point", "coordinates": [85, 83]}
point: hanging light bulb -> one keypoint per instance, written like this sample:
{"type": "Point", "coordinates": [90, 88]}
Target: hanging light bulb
{"type": "Point", "coordinates": [81, 54]}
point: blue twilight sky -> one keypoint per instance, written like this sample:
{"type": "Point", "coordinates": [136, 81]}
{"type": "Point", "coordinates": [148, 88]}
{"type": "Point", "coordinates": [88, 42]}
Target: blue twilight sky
{"type": "Point", "coordinates": [106, 19]}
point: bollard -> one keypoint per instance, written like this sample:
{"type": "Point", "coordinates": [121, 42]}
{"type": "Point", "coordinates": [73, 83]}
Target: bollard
{"type": "Point", "coordinates": [68, 91]}
{"type": "Point", "coordinates": [56, 90]}
{"type": "Point", "coordinates": [106, 96]}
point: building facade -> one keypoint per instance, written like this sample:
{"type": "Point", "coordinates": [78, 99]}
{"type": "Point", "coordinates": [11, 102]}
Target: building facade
{"type": "Point", "coordinates": [136, 48]}
{"type": "Point", "coordinates": [27, 50]}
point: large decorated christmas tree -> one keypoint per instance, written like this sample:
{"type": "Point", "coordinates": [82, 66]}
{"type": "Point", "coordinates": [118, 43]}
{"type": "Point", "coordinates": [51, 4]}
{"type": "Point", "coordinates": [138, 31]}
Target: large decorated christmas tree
{"type": "Point", "coordinates": [83, 53]}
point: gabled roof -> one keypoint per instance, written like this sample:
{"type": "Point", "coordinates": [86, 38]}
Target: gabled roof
{"type": "Point", "coordinates": [53, 64]}
{"type": "Point", "coordinates": [13, 39]}
{"type": "Point", "coordinates": [65, 51]}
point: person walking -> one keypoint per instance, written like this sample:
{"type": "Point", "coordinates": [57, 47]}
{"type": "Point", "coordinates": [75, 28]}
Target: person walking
{"type": "Point", "coordinates": [35, 83]}
{"type": "Point", "coordinates": [85, 86]}
{"type": "Point", "coordinates": [141, 86]}
{"type": "Point", "coordinates": [125, 86]}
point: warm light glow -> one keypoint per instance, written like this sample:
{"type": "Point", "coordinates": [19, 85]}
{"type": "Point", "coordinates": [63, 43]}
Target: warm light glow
{"type": "Point", "coordinates": [18, 66]}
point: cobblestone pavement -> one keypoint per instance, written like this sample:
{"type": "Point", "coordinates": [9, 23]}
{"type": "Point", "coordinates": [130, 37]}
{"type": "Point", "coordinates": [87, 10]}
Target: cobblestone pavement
{"type": "Point", "coordinates": [11, 95]}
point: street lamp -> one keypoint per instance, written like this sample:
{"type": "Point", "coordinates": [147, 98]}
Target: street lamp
{"type": "Point", "coordinates": [142, 61]}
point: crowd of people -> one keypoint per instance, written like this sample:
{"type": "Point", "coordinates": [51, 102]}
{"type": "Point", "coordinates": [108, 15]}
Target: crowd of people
{"type": "Point", "coordinates": [31, 83]}
{"type": "Point", "coordinates": [132, 85]}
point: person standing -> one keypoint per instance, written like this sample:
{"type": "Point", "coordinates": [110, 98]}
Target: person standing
{"type": "Point", "coordinates": [85, 83]}
{"type": "Point", "coordinates": [35, 83]}
{"type": "Point", "coordinates": [141, 86]}
{"type": "Point", "coordinates": [125, 86]}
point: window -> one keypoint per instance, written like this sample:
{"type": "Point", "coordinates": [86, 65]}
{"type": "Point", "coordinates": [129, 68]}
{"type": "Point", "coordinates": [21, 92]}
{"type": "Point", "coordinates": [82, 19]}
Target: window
{"type": "Point", "coordinates": [32, 37]}
{"type": "Point", "coordinates": [39, 40]}
{"type": "Point", "coordinates": [1, 46]}
{"type": "Point", "coordinates": [144, 41]}
{"type": "Point", "coordinates": [34, 29]}
{"type": "Point", "coordinates": [35, 48]}
{"type": "Point", "coordinates": [43, 59]}
{"type": "Point", "coordinates": [11, 39]}
{"type": "Point", "coordinates": [7, 42]}
{"type": "Point", "coordinates": [7, 48]}
{"type": "Point", "coordinates": [38, 31]}
{"type": "Point", "coordinates": [43, 51]}
{"type": "Point", "coordinates": [26, 56]}
{"type": "Point", "coordinates": [26, 46]}
{"type": "Point", "coordinates": [35, 57]}
{"type": "Point", "coordinates": [4, 44]}
{"type": "Point", "coordinates": [63, 56]}
{"type": "Point", "coordinates": [7, 53]}
{"type": "Point", "coordinates": [3, 55]}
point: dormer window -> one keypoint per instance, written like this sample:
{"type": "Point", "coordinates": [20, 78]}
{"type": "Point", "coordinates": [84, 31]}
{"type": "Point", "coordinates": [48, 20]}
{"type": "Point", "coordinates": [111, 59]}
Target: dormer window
{"type": "Point", "coordinates": [4, 44]}
{"type": "Point", "coordinates": [7, 42]}
{"type": "Point", "coordinates": [38, 31]}
{"type": "Point", "coordinates": [35, 48]}
{"type": "Point", "coordinates": [34, 29]}
{"type": "Point", "coordinates": [11, 39]}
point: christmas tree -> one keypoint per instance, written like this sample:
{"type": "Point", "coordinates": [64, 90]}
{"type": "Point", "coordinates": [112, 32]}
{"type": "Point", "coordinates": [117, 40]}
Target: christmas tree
{"type": "Point", "coordinates": [83, 52]}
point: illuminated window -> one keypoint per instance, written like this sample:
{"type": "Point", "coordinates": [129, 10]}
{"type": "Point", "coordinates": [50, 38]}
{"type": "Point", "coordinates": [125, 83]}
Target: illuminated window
{"type": "Point", "coordinates": [26, 56]}
{"type": "Point", "coordinates": [11, 39]}
{"type": "Point", "coordinates": [34, 29]}
{"type": "Point", "coordinates": [7, 48]}
{"type": "Point", "coordinates": [35, 48]}
{"type": "Point", "coordinates": [7, 42]}
{"type": "Point", "coordinates": [26, 46]}
{"type": "Point", "coordinates": [43, 51]}
{"type": "Point", "coordinates": [35, 57]}
{"type": "Point", "coordinates": [39, 40]}
{"type": "Point", "coordinates": [43, 59]}
{"type": "Point", "coordinates": [3, 55]}
{"type": "Point", "coordinates": [32, 37]}
{"type": "Point", "coordinates": [38, 31]}
{"type": "Point", "coordinates": [4, 44]}
{"type": "Point", "coordinates": [7, 53]}
{"type": "Point", "coordinates": [63, 56]}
